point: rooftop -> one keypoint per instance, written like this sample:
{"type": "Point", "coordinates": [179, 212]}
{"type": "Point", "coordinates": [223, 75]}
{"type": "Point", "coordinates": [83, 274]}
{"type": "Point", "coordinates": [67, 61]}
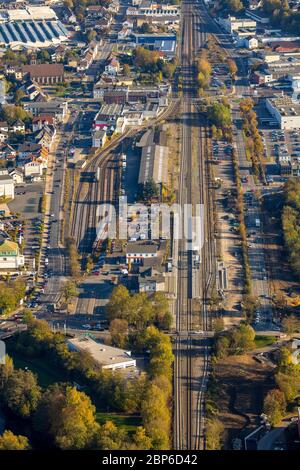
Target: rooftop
{"type": "Point", "coordinates": [141, 248]}
{"type": "Point", "coordinates": [106, 356]}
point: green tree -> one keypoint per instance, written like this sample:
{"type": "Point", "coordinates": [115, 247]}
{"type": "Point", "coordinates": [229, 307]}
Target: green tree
{"type": "Point", "coordinates": [69, 291]}
{"type": "Point", "coordinates": [9, 441]}
{"type": "Point", "coordinates": [22, 393]}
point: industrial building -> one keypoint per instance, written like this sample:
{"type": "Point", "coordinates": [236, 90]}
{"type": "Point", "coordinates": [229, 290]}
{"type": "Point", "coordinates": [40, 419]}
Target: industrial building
{"type": "Point", "coordinates": [285, 111]}
{"type": "Point", "coordinates": [154, 164]}
{"type": "Point", "coordinates": [32, 33]}
{"type": "Point", "coordinates": [105, 356]}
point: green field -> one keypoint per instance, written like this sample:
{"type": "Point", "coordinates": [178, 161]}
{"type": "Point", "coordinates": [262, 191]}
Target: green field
{"type": "Point", "coordinates": [261, 341]}
{"type": "Point", "coordinates": [47, 373]}
{"type": "Point", "coordinates": [129, 423]}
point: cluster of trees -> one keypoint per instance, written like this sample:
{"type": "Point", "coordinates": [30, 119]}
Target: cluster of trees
{"type": "Point", "coordinates": [148, 192]}
{"type": "Point", "coordinates": [291, 224]}
{"type": "Point", "coordinates": [231, 6]}
{"type": "Point", "coordinates": [79, 6]}
{"type": "Point", "coordinates": [254, 144]}
{"type": "Point", "coordinates": [234, 341]}
{"type": "Point", "coordinates": [73, 257]}
{"type": "Point", "coordinates": [139, 310]}
{"type": "Point", "coordinates": [109, 391]}
{"type": "Point", "coordinates": [60, 416]}
{"type": "Point", "coordinates": [204, 71]}
{"type": "Point", "coordinates": [287, 378]}
{"type": "Point", "coordinates": [11, 292]}
{"type": "Point", "coordinates": [282, 15]}
{"type": "Point", "coordinates": [275, 406]}
{"type": "Point", "coordinates": [150, 63]}
{"type": "Point", "coordinates": [219, 115]}
{"type": "Point", "coordinates": [11, 113]}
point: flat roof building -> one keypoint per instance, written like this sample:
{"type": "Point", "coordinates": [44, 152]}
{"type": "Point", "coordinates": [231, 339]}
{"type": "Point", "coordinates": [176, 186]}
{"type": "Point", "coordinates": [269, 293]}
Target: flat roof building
{"type": "Point", "coordinates": [286, 112]}
{"type": "Point", "coordinates": [105, 356]}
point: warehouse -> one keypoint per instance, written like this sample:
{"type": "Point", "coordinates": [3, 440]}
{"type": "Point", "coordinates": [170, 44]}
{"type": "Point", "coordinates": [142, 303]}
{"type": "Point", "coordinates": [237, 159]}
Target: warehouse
{"type": "Point", "coordinates": [105, 356]}
{"type": "Point", "coordinates": [154, 164]}
{"type": "Point", "coordinates": [286, 112]}
{"type": "Point", "coordinates": [32, 33]}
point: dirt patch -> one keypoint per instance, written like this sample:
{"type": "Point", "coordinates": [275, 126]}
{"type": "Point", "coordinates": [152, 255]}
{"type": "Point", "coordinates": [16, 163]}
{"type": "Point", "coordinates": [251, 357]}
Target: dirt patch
{"type": "Point", "coordinates": [241, 385]}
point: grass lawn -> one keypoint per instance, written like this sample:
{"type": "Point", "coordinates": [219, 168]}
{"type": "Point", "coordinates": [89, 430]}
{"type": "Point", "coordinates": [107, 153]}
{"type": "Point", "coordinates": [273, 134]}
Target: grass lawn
{"type": "Point", "coordinates": [262, 341]}
{"type": "Point", "coordinates": [129, 423]}
{"type": "Point", "coordinates": [47, 373]}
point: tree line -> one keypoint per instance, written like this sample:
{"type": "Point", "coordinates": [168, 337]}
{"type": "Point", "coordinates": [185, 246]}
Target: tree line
{"type": "Point", "coordinates": [290, 223]}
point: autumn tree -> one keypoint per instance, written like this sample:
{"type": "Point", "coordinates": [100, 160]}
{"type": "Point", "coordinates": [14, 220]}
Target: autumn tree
{"type": "Point", "coordinates": [213, 433]}
{"type": "Point", "coordinates": [67, 417]}
{"type": "Point", "coordinates": [275, 406]}
{"type": "Point", "coordinates": [119, 332]}
{"type": "Point", "coordinates": [10, 441]}
{"type": "Point", "coordinates": [232, 67]}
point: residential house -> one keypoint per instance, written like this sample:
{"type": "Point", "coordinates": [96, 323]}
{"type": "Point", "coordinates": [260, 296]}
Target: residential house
{"type": "Point", "coordinates": [10, 256]}
{"type": "Point", "coordinates": [4, 127]}
{"type": "Point", "coordinates": [3, 136]}
{"type": "Point", "coordinates": [113, 66]}
{"type": "Point", "coordinates": [42, 120]}
{"type": "Point", "coordinates": [7, 186]}
{"type": "Point", "coordinates": [150, 280]}
{"type": "Point", "coordinates": [17, 175]}
{"type": "Point", "coordinates": [7, 153]}
{"type": "Point", "coordinates": [59, 53]}
{"type": "Point", "coordinates": [18, 126]}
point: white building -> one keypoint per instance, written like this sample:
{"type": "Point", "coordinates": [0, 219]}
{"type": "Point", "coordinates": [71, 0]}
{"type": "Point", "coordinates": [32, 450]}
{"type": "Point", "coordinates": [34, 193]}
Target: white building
{"type": "Point", "coordinates": [105, 356]}
{"type": "Point", "coordinates": [10, 257]}
{"type": "Point", "coordinates": [33, 169]}
{"type": "Point", "coordinates": [251, 42]}
{"type": "Point", "coordinates": [136, 253]}
{"type": "Point", "coordinates": [7, 186]}
{"type": "Point", "coordinates": [285, 111]}
{"type": "Point", "coordinates": [232, 24]}
{"type": "Point", "coordinates": [17, 176]}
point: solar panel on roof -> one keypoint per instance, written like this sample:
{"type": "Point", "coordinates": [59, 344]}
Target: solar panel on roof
{"type": "Point", "coordinates": [36, 31]}
{"type": "Point", "coordinates": [2, 39]}
{"type": "Point", "coordinates": [22, 32]}
{"type": "Point", "coordinates": [7, 33]}
{"type": "Point", "coordinates": [29, 33]}
{"type": "Point", "coordinates": [41, 31]}
{"type": "Point", "coordinates": [32, 32]}
{"type": "Point", "coordinates": [13, 31]}
{"type": "Point", "coordinates": [47, 30]}
{"type": "Point", "coordinates": [54, 29]}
